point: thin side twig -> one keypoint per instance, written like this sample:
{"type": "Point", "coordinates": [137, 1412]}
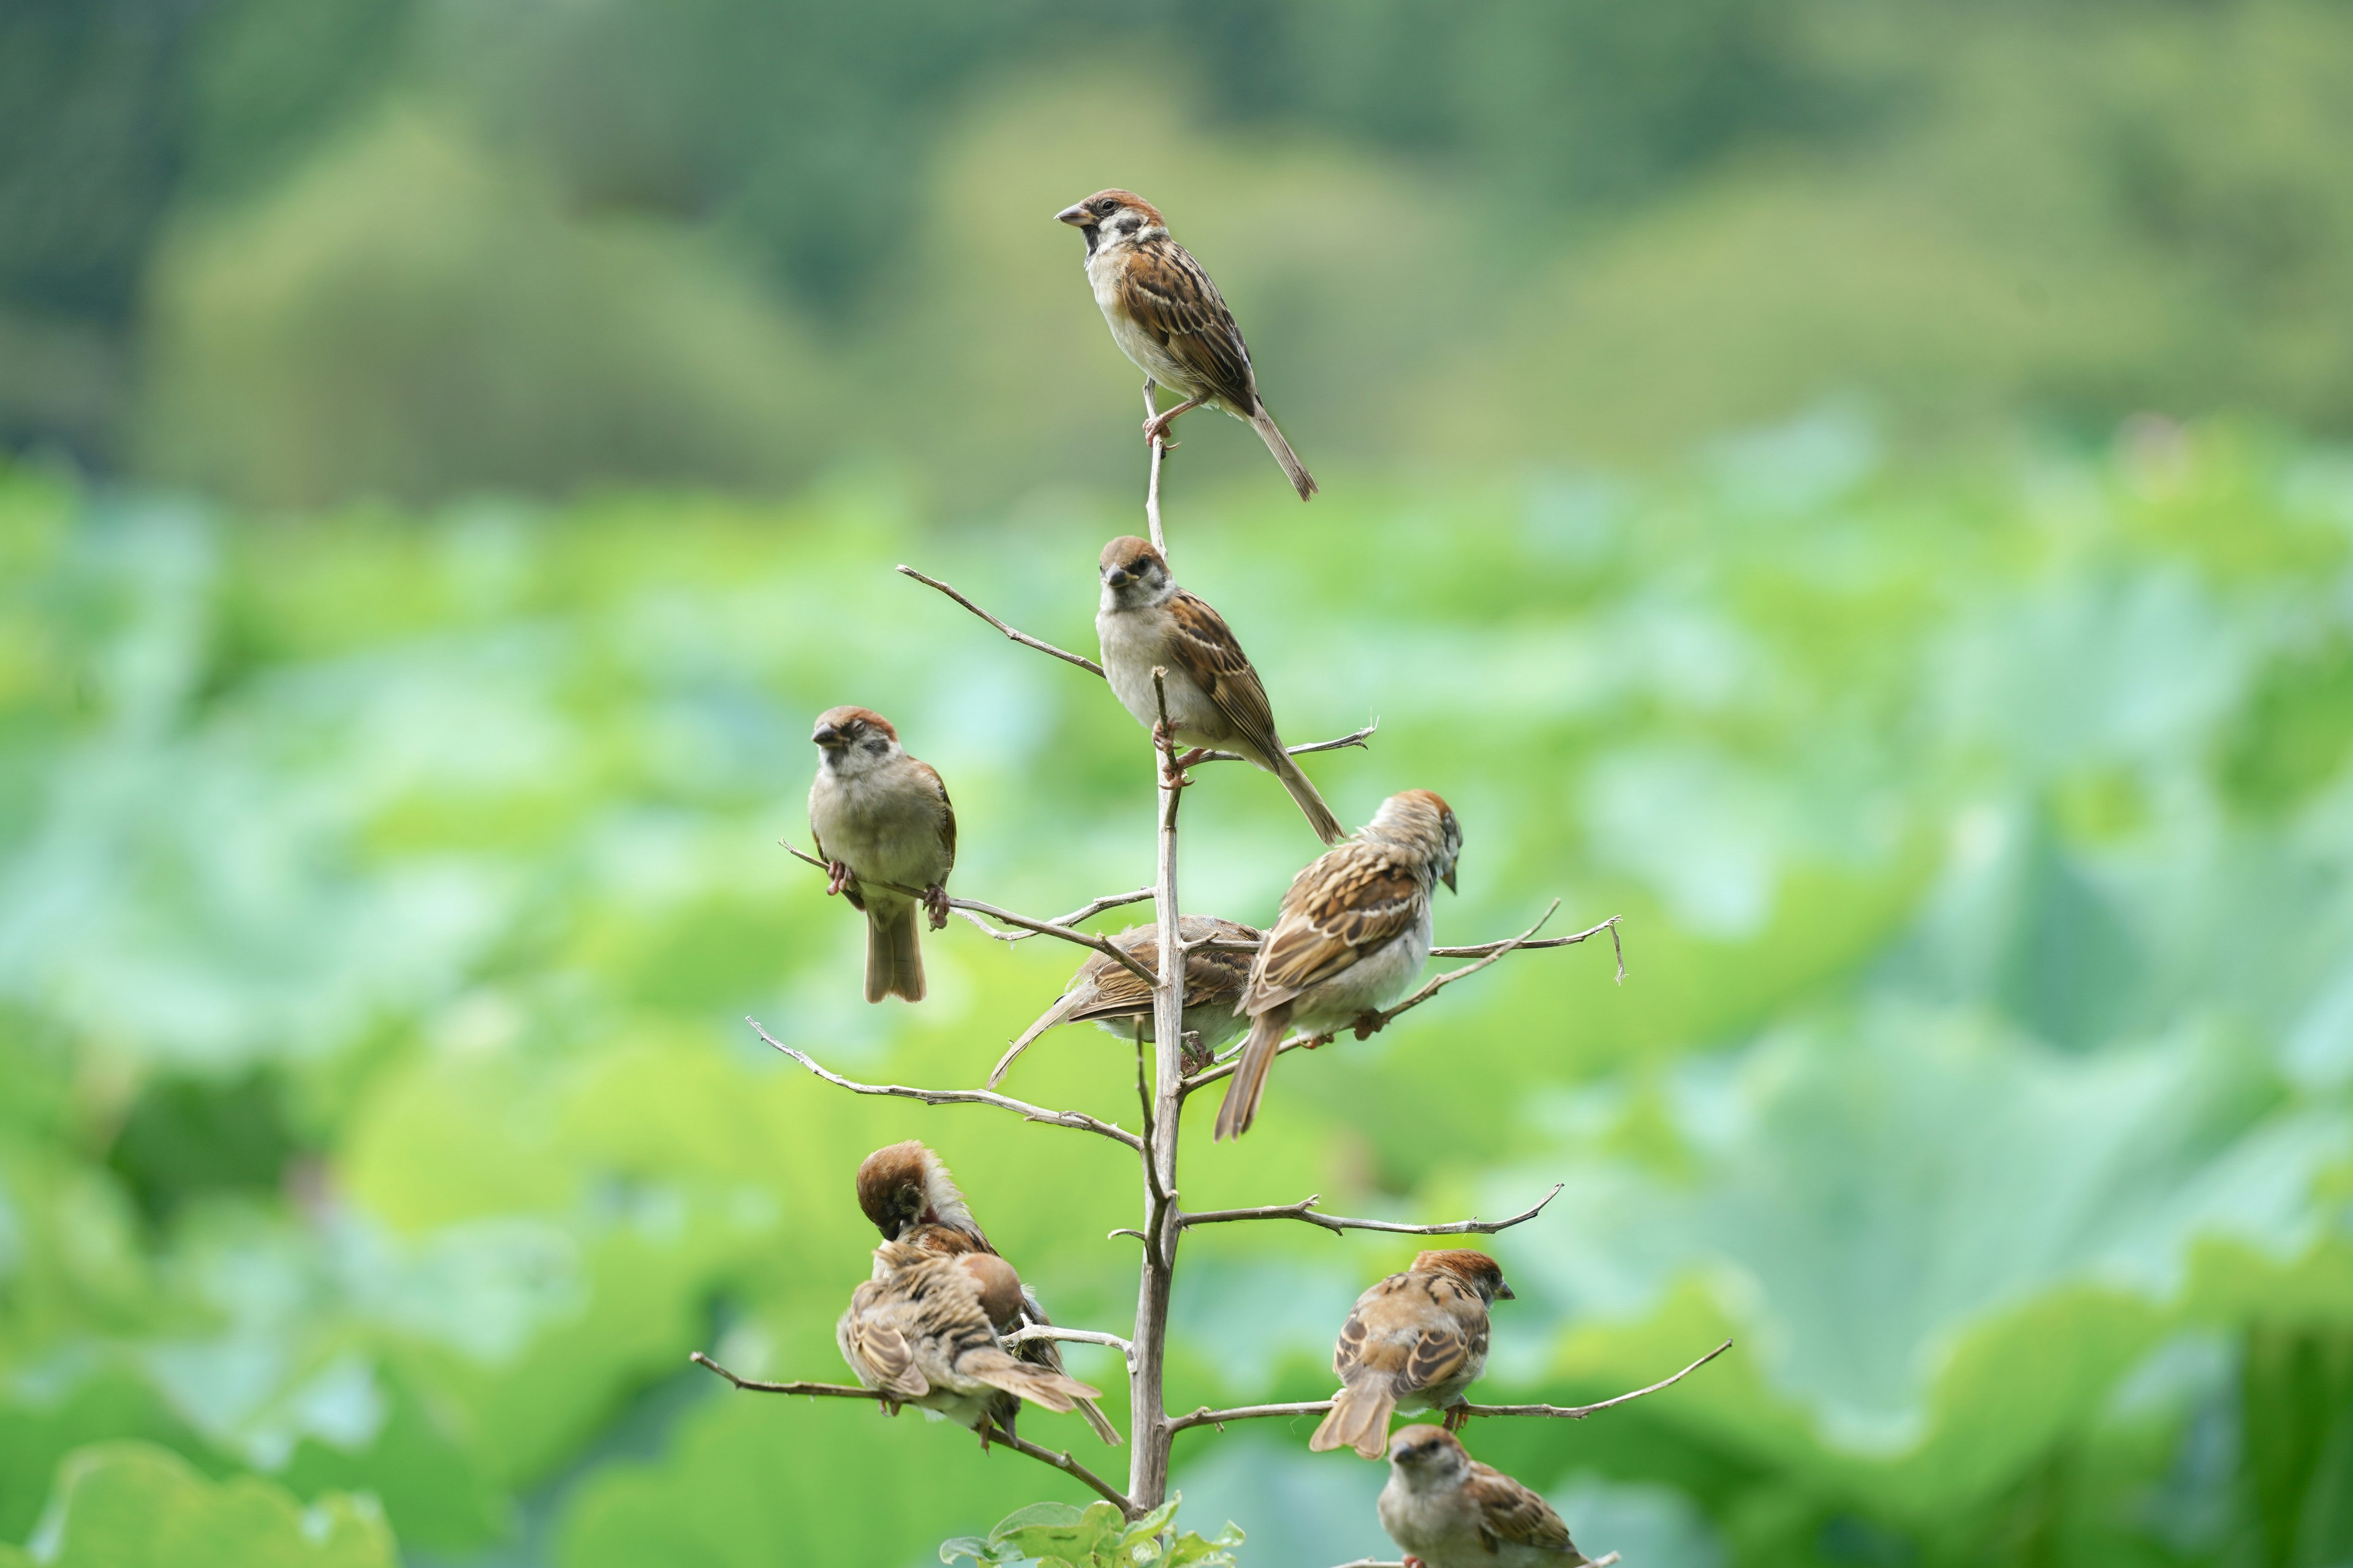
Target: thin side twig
{"type": "Point", "coordinates": [1152, 484]}
{"type": "Point", "coordinates": [1491, 951]}
{"type": "Point", "coordinates": [1353, 737]}
{"type": "Point", "coordinates": [1078, 1119]}
{"type": "Point", "coordinates": [1024, 638]}
{"type": "Point", "coordinates": [1073, 1336]}
{"type": "Point", "coordinates": [973, 908]}
{"type": "Point", "coordinates": [1062, 1462]}
{"type": "Point", "coordinates": [1481, 948]}
{"type": "Point", "coordinates": [1085, 911]}
{"type": "Point", "coordinates": [1304, 1208]}
{"type": "Point", "coordinates": [1205, 1416]}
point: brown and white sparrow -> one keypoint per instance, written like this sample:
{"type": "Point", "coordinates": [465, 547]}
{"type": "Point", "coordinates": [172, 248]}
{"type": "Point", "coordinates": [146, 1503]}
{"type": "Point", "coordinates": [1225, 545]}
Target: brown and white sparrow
{"type": "Point", "coordinates": [919, 1331]}
{"type": "Point", "coordinates": [878, 814]}
{"type": "Point", "coordinates": [1109, 994]}
{"type": "Point", "coordinates": [1414, 1341]}
{"type": "Point", "coordinates": [1215, 699]}
{"type": "Point", "coordinates": [906, 1190]}
{"type": "Point", "coordinates": [1354, 931]}
{"type": "Point", "coordinates": [1448, 1511]}
{"type": "Point", "coordinates": [1169, 319]}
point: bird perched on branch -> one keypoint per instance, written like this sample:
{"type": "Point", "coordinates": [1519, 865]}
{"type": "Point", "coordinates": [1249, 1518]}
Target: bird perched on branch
{"type": "Point", "coordinates": [879, 816]}
{"type": "Point", "coordinates": [906, 1190]}
{"type": "Point", "coordinates": [1107, 993]}
{"type": "Point", "coordinates": [1354, 931]}
{"type": "Point", "coordinates": [919, 1331]}
{"type": "Point", "coordinates": [1448, 1511]}
{"type": "Point", "coordinates": [1169, 319]}
{"type": "Point", "coordinates": [1413, 1342]}
{"type": "Point", "coordinates": [1216, 700]}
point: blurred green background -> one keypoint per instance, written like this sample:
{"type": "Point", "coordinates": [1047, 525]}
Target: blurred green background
{"type": "Point", "coordinates": [1860, 490]}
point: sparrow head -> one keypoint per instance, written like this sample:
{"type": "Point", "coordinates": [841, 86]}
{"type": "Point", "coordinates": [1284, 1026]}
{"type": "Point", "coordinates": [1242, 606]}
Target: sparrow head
{"type": "Point", "coordinates": [1420, 819]}
{"type": "Point", "coordinates": [1113, 216]}
{"type": "Point", "coordinates": [1133, 574]}
{"type": "Point", "coordinates": [1475, 1268]}
{"type": "Point", "coordinates": [853, 739]}
{"type": "Point", "coordinates": [998, 1288]}
{"type": "Point", "coordinates": [1428, 1458]}
{"type": "Point", "coordinates": [906, 1184]}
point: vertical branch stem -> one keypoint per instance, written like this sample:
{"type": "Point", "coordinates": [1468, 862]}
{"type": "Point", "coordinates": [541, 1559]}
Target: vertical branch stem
{"type": "Point", "coordinates": [1152, 485]}
{"type": "Point", "coordinates": [1150, 1434]}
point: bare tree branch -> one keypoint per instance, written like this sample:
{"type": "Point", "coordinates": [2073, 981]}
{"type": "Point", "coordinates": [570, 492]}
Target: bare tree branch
{"type": "Point", "coordinates": [972, 908]}
{"type": "Point", "coordinates": [1374, 1023]}
{"type": "Point", "coordinates": [1353, 738]}
{"type": "Point", "coordinates": [1205, 1416]}
{"type": "Point", "coordinates": [1305, 1210]}
{"type": "Point", "coordinates": [1078, 1119]}
{"type": "Point", "coordinates": [1075, 1336]}
{"type": "Point", "coordinates": [1610, 925]}
{"type": "Point", "coordinates": [1152, 484]}
{"type": "Point", "coordinates": [814, 1390]}
{"type": "Point", "coordinates": [1085, 911]}
{"type": "Point", "coordinates": [995, 1433]}
{"type": "Point", "coordinates": [1024, 638]}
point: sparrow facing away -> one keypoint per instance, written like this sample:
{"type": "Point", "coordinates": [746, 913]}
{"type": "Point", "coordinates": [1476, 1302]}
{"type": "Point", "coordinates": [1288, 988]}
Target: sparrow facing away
{"type": "Point", "coordinates": [907, 1191]}
{"type": "Point", "coordinates": [919, 1331]}
{"type": "Point", "coordinates": [1215, 699]}
{"type": "Point", "coordinates": [1354, 931]}
{"type": "Point", "coordinates": [1448, 1511]}
{"type": "Point", "coordinates": [1169, 319]}
{"type": "Point", "coordinates": [1109, 995]}
{"type": "Point", "coordinates": [1414, 1341]}
{"type": "Point", "coordinates": [877, 813]}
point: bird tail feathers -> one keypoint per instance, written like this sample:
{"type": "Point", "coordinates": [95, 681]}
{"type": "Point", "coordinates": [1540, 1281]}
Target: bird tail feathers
{"type": "Point", "coordinates": [1056, 1391]}
{"type": "Point", "coordinates": [1292, 468]}
{"type": "Point", "coordinates": [1304, 794]}
{"type": "Point", "coordinates": [894, 963]}
{"type": "Point", "coordinates": [1243, 1095]}
{"type": "Point", "coordinates": [1058, 1013]}
{"type": "Point", "coordinates": [1359, 1420]}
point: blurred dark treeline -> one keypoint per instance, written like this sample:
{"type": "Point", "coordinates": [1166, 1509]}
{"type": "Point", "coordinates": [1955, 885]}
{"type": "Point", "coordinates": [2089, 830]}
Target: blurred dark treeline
{"type": "Point", "coordinates": [293, 253]}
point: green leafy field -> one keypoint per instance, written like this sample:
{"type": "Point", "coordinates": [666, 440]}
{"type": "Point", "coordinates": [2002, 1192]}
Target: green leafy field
{"type": "Point", "coordinates": [381, 898]}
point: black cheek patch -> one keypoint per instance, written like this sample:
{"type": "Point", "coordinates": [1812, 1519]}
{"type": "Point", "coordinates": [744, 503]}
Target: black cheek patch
{"type": "Point", "coordinates": [1129, 226]}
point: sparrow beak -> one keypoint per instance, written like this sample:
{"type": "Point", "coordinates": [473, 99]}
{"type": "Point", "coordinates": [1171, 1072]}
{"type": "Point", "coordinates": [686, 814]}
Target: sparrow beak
{"type": "Point", "coordinates": [1076, 216]}
{"type": "Point", "coordinates": [1119, 577]}
{"type": "Point", "coordinates": [1504, 1292]}
{"type": "Point", "coordinates": [826, 735]}
{"type": "Point", "coordinates": [1449, 880]}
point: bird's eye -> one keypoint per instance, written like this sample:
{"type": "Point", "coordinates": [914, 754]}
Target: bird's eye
{"type": "Point", "coordinates": [1106, 208]}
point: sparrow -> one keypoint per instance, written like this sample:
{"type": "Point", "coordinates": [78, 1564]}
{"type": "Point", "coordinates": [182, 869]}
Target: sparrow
{"type": "Point", "coordinates": [1108, 994]}
{"type": "Point", "coordinates": [878, 814]}
{"type": "Point", "coordinates": [1169, 319]}
{"type": "Point", "coordinates": [1214, 698]}
{"type": "Point", "coordinates": [906, 1190]}
{"type": "Point", "coordinates": [1414, 1341]}
{"type": "Point", "coordinates": [919, 1331]}
{"type": "Point", "coordinates": [1354, 931]}
{"type": "Point", "coordinates": [1448, 1511]}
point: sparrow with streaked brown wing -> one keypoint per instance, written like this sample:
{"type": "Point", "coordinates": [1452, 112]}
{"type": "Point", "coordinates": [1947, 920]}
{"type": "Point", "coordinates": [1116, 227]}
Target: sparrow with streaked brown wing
{"type": "Point", "coordinates": [1354, 931]}
{"type": "Point", "coordinates": [906, 1190]}
{"type": "Point", "coordinates": [877, 812]}
{"type": "Point", "coordinates": [1449, 1510]}
{"type": "Point", "coordinates": [919, 1332]}
{"type": "Point", "coordinates": [1109, 994]}
{"type": "Point", "coordinates": [1170, 321]}
{"type": "Point", "coordinates": [1413, 1342]}
{"type": "Point", "coordinates": [1214, 698]}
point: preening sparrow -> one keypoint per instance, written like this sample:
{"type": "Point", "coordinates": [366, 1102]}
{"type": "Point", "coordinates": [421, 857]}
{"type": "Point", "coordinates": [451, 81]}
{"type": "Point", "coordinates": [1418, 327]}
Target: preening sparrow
{"type": "Point", "coordinates": [1354, 931]}
{"type": "Point", "coordinates": [1448, 1511]}
{"type": "Point", "coordinates": [1414, 1341]}
{"type": "Point", "coordinates": [877, 813]}
{"type": "Point", "coordinates": [907, 1191]}
{"type": "Point", "coordinates": [1169, 319]}
{"type": "Point", "coordinates": [1214, 698]}
{"type": "Point", "coordinates": [1109, 994]}
{"type": "Point", "coordinates": [919, 1331]}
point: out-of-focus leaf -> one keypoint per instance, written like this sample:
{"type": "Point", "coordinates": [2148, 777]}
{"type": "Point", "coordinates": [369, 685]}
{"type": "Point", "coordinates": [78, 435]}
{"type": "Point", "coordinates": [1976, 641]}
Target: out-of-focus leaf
{"type": "Point", "coordinates": [130, 1505]}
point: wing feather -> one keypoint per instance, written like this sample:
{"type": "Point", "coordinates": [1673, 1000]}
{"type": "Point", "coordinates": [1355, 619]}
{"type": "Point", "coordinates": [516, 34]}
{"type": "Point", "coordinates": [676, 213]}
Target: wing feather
{"type": "Point", "coordinates": [1169, 295]}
